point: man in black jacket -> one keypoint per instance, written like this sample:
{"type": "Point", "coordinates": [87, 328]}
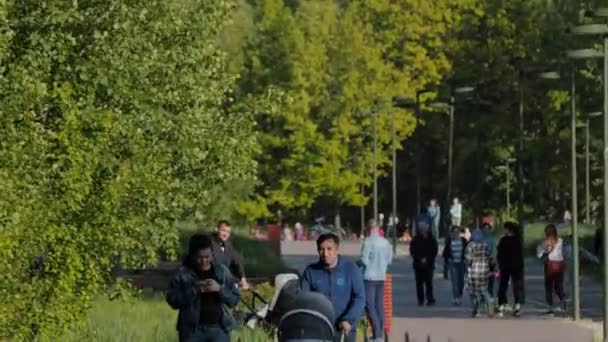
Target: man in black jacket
{"type": "Point", "coordinates": [423, 250]}
{"type": "Point", "coordinates": [511, 266]}
{"type": "Point", "coordinates": [204, 294]}
{"type": "Point", "coordinates": [225, 254]}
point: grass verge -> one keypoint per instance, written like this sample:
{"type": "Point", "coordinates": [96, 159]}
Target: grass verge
{"type": "Point", "coordinates": [145, 318]}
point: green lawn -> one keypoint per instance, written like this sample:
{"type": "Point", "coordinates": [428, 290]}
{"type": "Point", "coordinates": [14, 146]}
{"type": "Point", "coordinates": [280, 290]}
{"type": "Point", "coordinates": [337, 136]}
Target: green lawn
{"type": "Point", "coordinates": [145, 318]}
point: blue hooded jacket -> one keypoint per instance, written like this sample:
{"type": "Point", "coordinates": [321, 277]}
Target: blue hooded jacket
{"type": "Point", "coordinates": [342, 285]}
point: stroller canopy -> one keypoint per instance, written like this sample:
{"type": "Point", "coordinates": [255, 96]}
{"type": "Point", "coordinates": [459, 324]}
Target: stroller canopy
{"type": "Point", "coordinates": [310, 318]}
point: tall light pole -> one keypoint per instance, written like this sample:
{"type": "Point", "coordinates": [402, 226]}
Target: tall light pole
{"type": "Point", "coordinates": [602, 30]}
{"type": "Point", "coordinates": [575, 271]}
{"type": "Point", "coordinates": [375, 162]}
{"type": "Point", "coordinates": [394, 182]}
{"type": "Point", "coordinates": [576, 55]}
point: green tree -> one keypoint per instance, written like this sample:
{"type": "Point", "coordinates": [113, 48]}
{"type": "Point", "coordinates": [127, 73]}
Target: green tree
{"type": "Point", "coordinates": [334, 60]}
{"type": "Point", "coordinates": [116, 121]}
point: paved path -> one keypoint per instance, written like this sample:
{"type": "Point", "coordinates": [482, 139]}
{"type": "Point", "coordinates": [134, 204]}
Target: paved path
{"type": "Point", "coordinates": [444, 322]}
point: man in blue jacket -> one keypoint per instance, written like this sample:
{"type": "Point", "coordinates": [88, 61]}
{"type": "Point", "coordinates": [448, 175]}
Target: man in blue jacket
{"type": "Point", "coordinates": [340, 280]}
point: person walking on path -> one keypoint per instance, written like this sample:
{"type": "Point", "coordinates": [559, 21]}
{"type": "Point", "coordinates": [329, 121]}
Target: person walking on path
{"type": "Point", "coordinates": [453, 254]}
{"type": "Point", "coordinates": [376, 256]}
{"type": "Point", "coordinates": [490, 240]}
{"type": "Point", "coordinates": [204, 294]}
{"type": "Point", "coordinates": [478, 261]}
{"type": "Point", "coordinates": [551, 252]}
{"type": "Point", "coordinates": [434, 212]}
{"type": "Point", "coordinates": [299, 231]}
{"type": "Point", "coordinates": [456, 212]}
{"type": "Point", "coordinates": [423, 250]}
{"type": "Point", "coordinates": [225, 254]}
{"type": "Point", "coordinates": [340, 280]}
{"type": "Point", "coordinates": [509, 256]}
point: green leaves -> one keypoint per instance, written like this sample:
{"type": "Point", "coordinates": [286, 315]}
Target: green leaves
{"type": "Point", "coordinates": [333, 60]}
{"type": "Point", "coordinates": [116, 122]}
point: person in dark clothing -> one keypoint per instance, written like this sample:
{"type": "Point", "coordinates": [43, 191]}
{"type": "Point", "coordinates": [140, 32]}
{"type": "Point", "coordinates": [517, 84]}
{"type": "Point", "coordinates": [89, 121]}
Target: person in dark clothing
{"type": "Point", "coordinates": [423, 250]}
{"type": "Point", "coordinates": [225, 254]}
{"type": "Point", "coordinates": [511, 265]}
{"type": "Point", "coordinates": [204, 294]}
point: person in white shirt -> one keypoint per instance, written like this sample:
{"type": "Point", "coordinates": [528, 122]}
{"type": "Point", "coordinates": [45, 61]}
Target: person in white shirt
{"type": "Point", "coordinates": [456, 212]}
{"type": "Point", "coordinates": [551, 252]}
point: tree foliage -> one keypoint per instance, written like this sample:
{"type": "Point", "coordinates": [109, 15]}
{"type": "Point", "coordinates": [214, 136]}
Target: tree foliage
{"type": "Point", "coordinates": [116, 121]}
{"type": "Point", "coordinates": [339, 62]}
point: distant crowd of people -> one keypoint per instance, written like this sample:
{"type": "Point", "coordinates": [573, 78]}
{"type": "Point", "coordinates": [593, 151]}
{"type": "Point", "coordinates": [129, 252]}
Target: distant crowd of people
{"type": "Point", "coordinates": [476, 262]}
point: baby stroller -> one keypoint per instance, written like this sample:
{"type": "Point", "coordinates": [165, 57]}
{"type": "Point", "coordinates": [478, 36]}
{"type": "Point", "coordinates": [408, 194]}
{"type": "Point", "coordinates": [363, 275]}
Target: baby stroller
{"type": "Point", "coordinates": [293, 316]}
{"type": "Point", "coordinates": [269, 314]}
{"type": "Point", "coordinates": [309, 319]}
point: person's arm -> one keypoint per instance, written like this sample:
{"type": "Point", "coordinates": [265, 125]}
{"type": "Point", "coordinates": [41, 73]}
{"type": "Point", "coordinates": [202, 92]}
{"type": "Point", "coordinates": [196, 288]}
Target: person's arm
{"type": "Point", "coordinates": [413, 249]}
{"type": "Point", "coordinates": [229, 293]}
{"type": "Point", "coordinates": [500, 253]}
{"type": "Point", "coordinates": [180, 294]}
{"type": "Point", "coordinates": [389, 247]}
{"type": "Point", "coordinates": [356, 304]}
{"type": "Point", "coordinates": [366, 253]}
{"type": "Point", "coordinates": [305, 281]}
{"type": "Point", "coordinates": [468, 255]}
{"type": "Point", "coordinates": [435, 248]}
{"type": "Point", "coordinates": [447, 251]}
{"type": "Point", "coordinates": [541, 250]}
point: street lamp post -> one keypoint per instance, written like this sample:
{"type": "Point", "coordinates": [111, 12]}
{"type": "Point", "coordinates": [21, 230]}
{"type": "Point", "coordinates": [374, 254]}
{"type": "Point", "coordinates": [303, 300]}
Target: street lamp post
{"type": "Point", "coordinates": [394, 182]}
{"type": "Point", "coordinates": [576, 55]}
{"type": "Point", "coordinates": [375, 163]}
{"type": "Point", "coordinates": [602, 30]}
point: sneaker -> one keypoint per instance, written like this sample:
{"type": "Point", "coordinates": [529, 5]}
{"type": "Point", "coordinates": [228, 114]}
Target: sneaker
{"type": "Point", "coordinates": [455, 302]}
{"type": "Point", "coordinates": [459, 301]}
{"type": "Point", "coordinates": [516, 310]}
{"type": "Point", "coordinates": [430, 302]}
{"type": "Point", "coordinates": [501, 311]}
{"type": "Point", "coordinates": [549, 311]}
{"type": "Point", "coordinates": [420, 303]}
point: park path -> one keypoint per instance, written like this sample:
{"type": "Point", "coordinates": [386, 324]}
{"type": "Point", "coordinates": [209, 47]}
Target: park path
{"type": "Point", "coordinates": [444, 322]}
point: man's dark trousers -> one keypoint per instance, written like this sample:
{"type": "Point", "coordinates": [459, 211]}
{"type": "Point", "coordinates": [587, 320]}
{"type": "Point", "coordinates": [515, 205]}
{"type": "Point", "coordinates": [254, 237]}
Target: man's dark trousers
{"type": "Point", "coordinates": [424, 283]}
{"type": "Point", "coordinates": [374, 305]}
